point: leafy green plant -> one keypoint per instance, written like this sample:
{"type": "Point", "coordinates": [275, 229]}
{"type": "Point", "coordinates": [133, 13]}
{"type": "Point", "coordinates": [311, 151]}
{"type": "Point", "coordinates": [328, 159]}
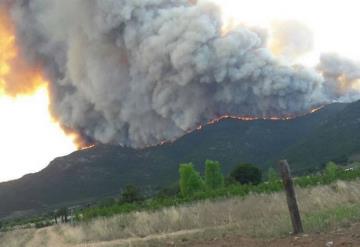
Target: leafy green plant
{"type": "Point", "coordinates": [190, 180]}
{"type": "Point", "coordinates": [130, 194]}
{"type": "Point", "coordinates": [213, 176]}
{"type": "Point", "coordinates": [171, 190]}
{"type": "Point", "coordinates": [331, 172]}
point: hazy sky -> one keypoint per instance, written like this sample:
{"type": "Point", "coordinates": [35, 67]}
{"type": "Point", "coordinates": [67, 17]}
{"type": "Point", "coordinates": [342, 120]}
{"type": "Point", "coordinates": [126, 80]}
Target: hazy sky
{"type": "Point", "coordinates": [334, 22]}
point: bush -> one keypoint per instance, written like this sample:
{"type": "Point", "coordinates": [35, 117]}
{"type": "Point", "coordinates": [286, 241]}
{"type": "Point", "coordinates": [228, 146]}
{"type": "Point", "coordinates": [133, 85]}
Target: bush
{"type": "Point", "coordinates": [247, 174]}
{"type": "Point", "coordinates": [190, 180]}
{"type": "Point", "coordinates": [42, 224]}
{"type": "Point", "coordinates": [171, 190]}
{"type": "Point", "coordinates": [272, 175]}
{"type": "Point", "coordinates": [107, 202]}
{"type": "Point", "coordinates": [130, 194]}
{"type": "Point", "coordinates": [330, 172]}
{"type": "Point", "coordinates": [213, 176]}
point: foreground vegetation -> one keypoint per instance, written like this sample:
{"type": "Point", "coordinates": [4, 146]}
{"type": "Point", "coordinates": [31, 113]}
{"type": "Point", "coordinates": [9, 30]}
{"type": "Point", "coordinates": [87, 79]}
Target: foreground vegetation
{"type": "Point", "coordinates": [198, 190]}
{"type": "Point", "coordinates": [324, 207]}
{"type": "Point", "coordinates": [245, 180]}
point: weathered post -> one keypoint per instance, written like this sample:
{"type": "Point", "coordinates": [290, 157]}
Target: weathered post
{"type": "Point", "coordinates": [291, 197]}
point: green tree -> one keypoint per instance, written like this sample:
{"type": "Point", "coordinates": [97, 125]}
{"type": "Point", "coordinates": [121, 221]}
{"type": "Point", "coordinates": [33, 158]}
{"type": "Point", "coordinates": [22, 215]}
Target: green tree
{"type": "Point", "coordinates": [130, 194]}
{"type": "Point", "coordinates": [247, 174]}
{"type": "Point", "coordinates": [213, 176]}
{"type": "Point", "coordinates": [190, 180]}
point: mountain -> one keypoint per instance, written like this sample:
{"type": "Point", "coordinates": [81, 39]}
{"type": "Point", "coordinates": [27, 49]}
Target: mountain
{"type": "Point", "coordinates": [104, 170]}
{"type": "Point", "coordinates": [336, 139]}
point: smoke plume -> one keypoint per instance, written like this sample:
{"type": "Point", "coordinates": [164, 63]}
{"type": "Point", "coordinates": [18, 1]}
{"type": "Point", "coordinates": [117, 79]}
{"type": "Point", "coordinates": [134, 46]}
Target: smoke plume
{"type": "Point", "coordinates": [291, 39]}
{"type": "Point", "coordinates": [342, 76]}
{"type": "Point", "coordinates": [136, 72]}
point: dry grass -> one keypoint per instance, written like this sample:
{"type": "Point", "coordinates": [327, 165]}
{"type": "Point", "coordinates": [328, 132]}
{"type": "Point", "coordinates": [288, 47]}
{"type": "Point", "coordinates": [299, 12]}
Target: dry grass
{"type": "Point", "coordinates": [16, 238]}
{"type": "Point", "coordinates": [255, 216]}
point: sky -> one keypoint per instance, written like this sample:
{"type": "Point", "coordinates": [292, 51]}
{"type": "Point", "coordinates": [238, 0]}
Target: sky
{"type": "Point", "coordinates": [334, 23]}
{"type": "Point", "coordinates": [30, 138]}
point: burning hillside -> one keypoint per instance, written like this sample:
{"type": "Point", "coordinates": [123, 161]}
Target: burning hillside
{"type": "Point", "coordinates": [136, 73]}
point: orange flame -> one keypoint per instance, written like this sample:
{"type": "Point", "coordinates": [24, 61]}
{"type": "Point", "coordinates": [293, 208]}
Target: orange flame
{"type": "Point", "coordinates": [16, 77]}
{"type": "Point", "coordinates": [88, 147]}
{"type": "Point", "coordinates": [241, 118]}
{"type": "Point", "coordinates": [253, 118]}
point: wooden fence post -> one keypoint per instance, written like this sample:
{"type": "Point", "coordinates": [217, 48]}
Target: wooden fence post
{"type": "Point", "coordinates": [291, 197]}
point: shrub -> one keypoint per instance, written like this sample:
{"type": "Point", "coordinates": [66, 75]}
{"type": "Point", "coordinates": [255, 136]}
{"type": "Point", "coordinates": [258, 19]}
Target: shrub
{"type": "Point", "coordinates": [107, 202]}
{"type": "Point", "coordinates": [330, 172]}
{"type": "Point", "coordinates": [213, 176]}
{"type": "Point", "coordinates": [247, 174]}
{"type": "Point", "coordinates": [130, 194]}
{"type": "Point", "coordinates": [171, 190]}
{"type": "Point", "coordinates": [42, 224]}
{"type": "Point", "coordinates": [190, 180]}
{"type": "Point", "coordinates": [272, 175]}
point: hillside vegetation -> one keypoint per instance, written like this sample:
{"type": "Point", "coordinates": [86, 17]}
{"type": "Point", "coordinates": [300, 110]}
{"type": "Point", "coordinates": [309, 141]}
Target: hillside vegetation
{"type": "Point", "coordinates": [336, 139]}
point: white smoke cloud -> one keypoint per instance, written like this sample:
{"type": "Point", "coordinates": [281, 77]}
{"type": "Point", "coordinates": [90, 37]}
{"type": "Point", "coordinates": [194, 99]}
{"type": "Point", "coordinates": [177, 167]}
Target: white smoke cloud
{"type": "Point", "coordinates": [291, 39]}
{"type": "Point", "coordinates": [136, 72]}
{"type": "Point", "coordinates": [342, 77]}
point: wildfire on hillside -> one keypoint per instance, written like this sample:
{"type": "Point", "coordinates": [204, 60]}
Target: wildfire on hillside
{"type": "Point", "coordinates": [17, 78]}
{"type": "Point", "coordinates": [88, 147]}
{"type": "Point", "coordinates": [252, 118]}
{"type": "Point", "coordinates": [240, 118]}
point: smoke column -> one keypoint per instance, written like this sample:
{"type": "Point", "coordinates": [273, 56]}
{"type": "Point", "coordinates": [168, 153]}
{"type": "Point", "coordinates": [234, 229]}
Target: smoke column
{"type": "Point", "coordinates": [137, 72]}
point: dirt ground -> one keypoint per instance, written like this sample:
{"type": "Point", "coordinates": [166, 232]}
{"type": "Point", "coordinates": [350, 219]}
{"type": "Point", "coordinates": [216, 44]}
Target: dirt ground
{"type": "Point", "coordinates": [341, 237]}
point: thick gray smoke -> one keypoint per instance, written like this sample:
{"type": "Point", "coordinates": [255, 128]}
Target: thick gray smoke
{"type": "Point", "coordinates": [342, 77]}
{"type": "Point", "coordinates": [136, 72]}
